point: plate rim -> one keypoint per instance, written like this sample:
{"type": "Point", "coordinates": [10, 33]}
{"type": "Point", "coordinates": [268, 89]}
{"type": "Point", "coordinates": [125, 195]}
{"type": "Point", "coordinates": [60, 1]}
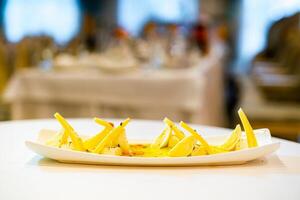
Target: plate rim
{"type": "Point", "coordinates": [73, 156]}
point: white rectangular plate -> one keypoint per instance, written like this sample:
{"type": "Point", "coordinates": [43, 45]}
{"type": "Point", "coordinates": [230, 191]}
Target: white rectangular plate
{"type": "Point", "coordinates": [266, 146]}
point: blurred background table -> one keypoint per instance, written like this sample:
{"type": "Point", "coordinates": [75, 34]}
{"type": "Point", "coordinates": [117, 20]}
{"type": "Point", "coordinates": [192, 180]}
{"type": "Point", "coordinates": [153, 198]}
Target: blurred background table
{"type": "Point", "coordinates": [194, 94]}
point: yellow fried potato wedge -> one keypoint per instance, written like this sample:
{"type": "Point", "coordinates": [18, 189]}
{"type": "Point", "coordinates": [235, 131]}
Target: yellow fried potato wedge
{"type": "Point", "coordinates": [176, 130]}
{"type": "Point", "coordinates": [103, 122]}
{"type": "Point", "coordinates": [173, 141]}
{"type": "Point", "coordinates": [163, 139]}
{"type": "Point", "coordinates": [233, 139]}
{"type": "Point", "coordinates": [216, 150]}
{"type": "Point", "coordinates": [199, 151]}
{"type": "Point", "coordinates": [183, 148]}
{"type": "Point", "coordinates": [64, 137]}
{"type": "Point", "coordinates": [241, 144]}
{"type": "Point", "coordinates": [195, 134]}
{"type": "Point", "coordinates": [77, 142]}
{"type": "Point", "coordinates": [251, 139]}
{"type": "Point", "coordinates": [125, 122]}
{"type": "Point", "coordinates": [210, 149]}
{"type": "Point", "coordinates": [157, 141]}
{"type": "Point", "coordinates": [110, 137]}
{"type": "Point", "coordinates": [65, 125]}
{"type": "Point", "coordinates": [92, 142]}
{"type": "Point", "coordinates": [56, 139]}
{"type": "Point", "coordinates": [67, 146]}
{"type": "Point", "coordinates": [123, 142]}
{"type": "Point", "coordinates": [166, 138]}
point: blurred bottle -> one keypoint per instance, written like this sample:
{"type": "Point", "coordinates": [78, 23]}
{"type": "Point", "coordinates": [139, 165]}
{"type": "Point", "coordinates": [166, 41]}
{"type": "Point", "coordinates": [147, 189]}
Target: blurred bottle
{"type": "Point", "coordinates": [47, 59]}
{"type": "Point", "coordinates": [177, 47]}
{"type": "Point", "coordinates": [119, 53]}
{"type": "Point", "coordinates": [4, 73]}
{"type": "Point", "coordinates": [153, 46]}
{"type": "Point", "coordinates": [89, 33]}
{"type": "Point", "coordinates": [121, 44]}
{"type": "Point", "coordinates": [121, 36]}
{"type": "Point", "coordinates": [200, 36]}
{"type": "Point", "coordinates": [22, 54]}
{"type": "Point", "coordinates": [48, 51]}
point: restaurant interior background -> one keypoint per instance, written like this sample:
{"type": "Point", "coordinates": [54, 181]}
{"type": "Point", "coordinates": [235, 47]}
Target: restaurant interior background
{"type": "Point", "coordinates": [192, 60]}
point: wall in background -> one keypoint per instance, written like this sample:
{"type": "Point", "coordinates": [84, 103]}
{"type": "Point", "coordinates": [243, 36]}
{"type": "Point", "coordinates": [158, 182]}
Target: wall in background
{"type": "Point", "coordinates": [57, 18]}
{"type": "Point", "coordinates": [134, 14]}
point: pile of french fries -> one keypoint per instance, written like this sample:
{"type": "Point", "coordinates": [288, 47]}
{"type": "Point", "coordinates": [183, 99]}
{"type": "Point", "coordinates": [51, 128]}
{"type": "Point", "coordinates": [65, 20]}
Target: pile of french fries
{"type": "Point", "coordinates": [172, 142]}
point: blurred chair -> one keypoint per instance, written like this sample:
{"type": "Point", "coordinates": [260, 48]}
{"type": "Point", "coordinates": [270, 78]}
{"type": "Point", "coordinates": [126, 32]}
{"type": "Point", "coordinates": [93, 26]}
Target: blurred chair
{"type": "Point", "coordinates": [4, 76]}
{"type": "Point", "coordinates": [276, 70]}
{"type": "Point", "coordinates": [271, 96]}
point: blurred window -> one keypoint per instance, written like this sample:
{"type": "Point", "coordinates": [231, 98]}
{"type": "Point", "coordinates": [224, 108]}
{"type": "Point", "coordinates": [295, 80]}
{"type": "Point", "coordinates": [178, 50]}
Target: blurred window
{"type": "Point", "coordinates": [56, 18]}
{"type": "Point", "coordinates": [257, 17]}
{"type": "Point", "coordinates": [133, 14]}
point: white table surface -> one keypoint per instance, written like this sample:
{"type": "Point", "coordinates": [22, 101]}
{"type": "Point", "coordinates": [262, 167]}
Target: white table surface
{"type": "Point", "coordinates": [25, 175]}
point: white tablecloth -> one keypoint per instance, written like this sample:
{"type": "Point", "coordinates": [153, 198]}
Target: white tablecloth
{"type": "Point", "coordinates": [194, 94]}
{"type": "Point", "coordinates": [27, 176]}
